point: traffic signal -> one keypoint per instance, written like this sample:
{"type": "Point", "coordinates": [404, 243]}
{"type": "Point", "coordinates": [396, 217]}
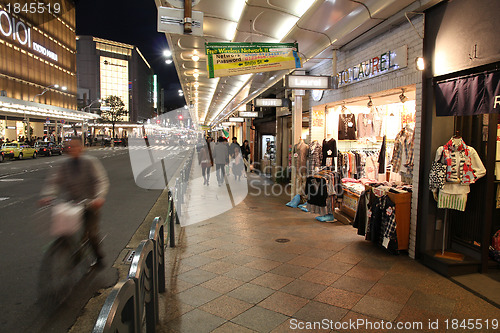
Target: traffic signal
{"type": "Point", "coordinates": [180, 117]}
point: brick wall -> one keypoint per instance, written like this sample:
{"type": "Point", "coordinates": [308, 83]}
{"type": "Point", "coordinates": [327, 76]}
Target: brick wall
{"type": "Point", "coordinates": [403, 34]}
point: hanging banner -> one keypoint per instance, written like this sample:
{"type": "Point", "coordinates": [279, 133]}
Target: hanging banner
{"type": "Point", "coordinates": [468, 96]}
{"type": "Point", "coordinates": [228, 59]}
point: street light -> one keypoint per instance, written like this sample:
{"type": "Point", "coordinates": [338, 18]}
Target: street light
{"type": "Point", "coordinates": [88, 106]}
{"type": "Point", "coordinates": [168, 55]}
{"type": "Point", "coordinates": [64, 88]}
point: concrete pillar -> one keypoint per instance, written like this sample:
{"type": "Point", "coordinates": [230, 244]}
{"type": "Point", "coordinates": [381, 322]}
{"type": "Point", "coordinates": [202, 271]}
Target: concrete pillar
{"type": "Point", "coordinates": [296, 132]}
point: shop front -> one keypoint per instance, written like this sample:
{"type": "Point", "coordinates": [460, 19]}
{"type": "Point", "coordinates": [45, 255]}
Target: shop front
{"type": "Point", "coordinates": [359, 161]}
{"type": "Point", "coordinates": [459, 218]}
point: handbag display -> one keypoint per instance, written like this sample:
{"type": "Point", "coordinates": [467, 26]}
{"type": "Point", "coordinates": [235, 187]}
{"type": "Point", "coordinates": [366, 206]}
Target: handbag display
{"type": "Point", "coordinates": [437, 175]}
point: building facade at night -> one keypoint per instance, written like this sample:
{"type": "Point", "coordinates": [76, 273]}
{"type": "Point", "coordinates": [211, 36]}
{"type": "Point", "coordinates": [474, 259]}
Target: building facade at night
{"type": "Point", "coordinates": [37, 71]}
{"type": "Point", "coordinates": [107, 68]}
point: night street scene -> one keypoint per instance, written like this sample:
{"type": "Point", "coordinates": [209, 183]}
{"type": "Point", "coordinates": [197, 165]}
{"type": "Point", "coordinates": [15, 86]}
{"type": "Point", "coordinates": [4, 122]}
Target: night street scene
{"type": "Point", "coordinates": [189, 166]}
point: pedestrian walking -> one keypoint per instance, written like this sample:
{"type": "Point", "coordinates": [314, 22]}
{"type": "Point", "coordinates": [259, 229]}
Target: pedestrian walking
{"type": "Point", "coordinates": [221, 158]}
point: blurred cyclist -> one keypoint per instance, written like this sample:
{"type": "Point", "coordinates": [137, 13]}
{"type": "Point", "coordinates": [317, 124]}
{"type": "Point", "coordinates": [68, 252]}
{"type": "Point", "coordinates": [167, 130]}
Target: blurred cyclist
{"type": "Point", "coordinates": [79, 178]}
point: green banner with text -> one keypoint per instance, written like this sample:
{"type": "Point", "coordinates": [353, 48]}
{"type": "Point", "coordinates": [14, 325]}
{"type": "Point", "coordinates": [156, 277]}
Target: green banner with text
{"type": "Point", "coordinates": [228, 59]}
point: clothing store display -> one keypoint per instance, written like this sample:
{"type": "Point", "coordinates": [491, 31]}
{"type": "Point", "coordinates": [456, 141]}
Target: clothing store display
{"type": "Point", "coordinates": [437, 175]}
{"type": "Point", "coordinates": [381, 157]}
{"type": "Point", "coordinates": [365, 125]}
{"type": "Point", "coordinates": [294, 202]}
{"type": "Point", "coordinates": [329, 151]}
{"type": "Point", "coordinates": [382, 222]}
{"type": "Point", "coordinates": [316, 191]}
{"type": "Point", "coordinates": [361, 219]}
{"type": "Point", "coordinates": [347, 126]}
{"type": "Point", "coordinates": [301, 151]}
{"type": "Point", "coordinates": [315, 157]}
{"type": "Point", "coordinates": [377, 122]}
{"type": "Point", "coordinates": [463, 167]}
{"type": "Point", "coordinates": [402, 155]}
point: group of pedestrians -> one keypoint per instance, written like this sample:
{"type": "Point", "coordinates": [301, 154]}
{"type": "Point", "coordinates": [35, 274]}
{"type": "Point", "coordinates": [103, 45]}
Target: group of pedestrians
{"type": "Point", "coordinates": [222, 155]}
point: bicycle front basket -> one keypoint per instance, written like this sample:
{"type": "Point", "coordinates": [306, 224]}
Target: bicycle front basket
{"type": "Point", "coordinates": [67, 219]}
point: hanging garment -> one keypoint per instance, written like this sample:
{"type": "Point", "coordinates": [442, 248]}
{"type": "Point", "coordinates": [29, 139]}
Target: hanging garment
{"type": "Point", "coordinates": [329, 151]}
{"type": "Point", "coordinates": [382, 222]}
{"type": "Point", "coordinates": [401, 152]}
{"type": "Point", "coordinates": [365, 125]}
{"type": "Point", "coordinates": [377, 122]}
{"type": "Point", "coordinates": [381, 158]}
{"type": "Point", "coordinates": [361, 219]}
{"type": "Point", "coordinates": [347, 127]}
{"type": "Point", "coordinates": [315, 156]}
{"type": "Point", "coordinates": [316, 191]}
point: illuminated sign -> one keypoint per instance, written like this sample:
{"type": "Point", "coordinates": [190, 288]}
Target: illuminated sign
{"type": "Point", "coordinates": [248, 114]}
{"type": "Point", "coordinates": [308, 82]}
{"type": "Point", "coordinates": [268, 102]}
{"type": "Point", "coordinates": [20, 32]}
{"type": "Point", "coordinates": [236, 119]}
{"type": "Point", "coordinates": [386, 62]}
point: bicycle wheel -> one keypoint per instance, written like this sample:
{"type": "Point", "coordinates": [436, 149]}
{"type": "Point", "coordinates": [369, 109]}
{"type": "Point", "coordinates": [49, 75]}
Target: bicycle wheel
{"type": "Point", "coordinates": [56, 276]}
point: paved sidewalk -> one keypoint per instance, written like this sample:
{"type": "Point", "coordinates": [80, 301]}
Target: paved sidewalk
{"type": "Point", "coordinates": [228, 274]}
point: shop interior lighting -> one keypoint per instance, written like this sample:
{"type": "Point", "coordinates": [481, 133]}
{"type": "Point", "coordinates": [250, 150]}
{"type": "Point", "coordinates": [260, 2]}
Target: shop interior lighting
{"type": "Point", "coordinates": [402, 97]}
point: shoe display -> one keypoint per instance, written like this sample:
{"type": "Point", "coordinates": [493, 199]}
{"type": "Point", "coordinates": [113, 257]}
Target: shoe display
{"type": "Point", "coordinates": [326, 218]}
{"type": "Point", "coordinates": [294, 202]}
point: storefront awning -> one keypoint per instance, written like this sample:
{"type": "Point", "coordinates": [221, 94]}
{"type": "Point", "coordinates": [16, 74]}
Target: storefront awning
{"type": "Point", "coordinates": [468, 96]}
{"type": "Point", "coordinates": [19, 108]}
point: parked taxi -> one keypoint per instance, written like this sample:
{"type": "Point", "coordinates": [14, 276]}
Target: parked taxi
{"type": "Point", "coordinates": [18, 150]}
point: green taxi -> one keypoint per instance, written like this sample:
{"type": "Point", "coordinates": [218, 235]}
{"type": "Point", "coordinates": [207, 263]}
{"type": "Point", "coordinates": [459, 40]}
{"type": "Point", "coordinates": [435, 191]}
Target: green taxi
{"type": "Point", "coordinates": [18, 150]}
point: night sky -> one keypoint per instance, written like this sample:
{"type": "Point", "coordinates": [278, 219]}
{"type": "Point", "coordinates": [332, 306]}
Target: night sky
{"type": "Point", "coordinates": [132, 22]}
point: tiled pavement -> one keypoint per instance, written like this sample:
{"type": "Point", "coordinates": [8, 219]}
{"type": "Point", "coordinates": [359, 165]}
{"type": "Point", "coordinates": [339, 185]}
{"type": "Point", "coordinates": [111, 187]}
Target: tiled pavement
{"type": "Point", "coordinates": [228, 274]}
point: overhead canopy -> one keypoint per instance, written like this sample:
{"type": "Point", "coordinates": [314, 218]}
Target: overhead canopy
{"type": "Point", "coordinates": [468, 96]}
{"type": "Point", "coordinates": [318, 26]}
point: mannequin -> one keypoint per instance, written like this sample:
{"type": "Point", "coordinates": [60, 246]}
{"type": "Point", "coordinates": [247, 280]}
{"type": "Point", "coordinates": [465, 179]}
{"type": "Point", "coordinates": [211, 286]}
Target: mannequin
{"type": "Point", "coordinates": [300, 151]}
{"type": "Point", "coordinates": [329, 152]}
{"type": "Point", "coordinates": [464, 167]}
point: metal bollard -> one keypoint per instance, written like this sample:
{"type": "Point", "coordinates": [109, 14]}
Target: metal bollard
{"type": "Point", "coordinates": [143, 272]}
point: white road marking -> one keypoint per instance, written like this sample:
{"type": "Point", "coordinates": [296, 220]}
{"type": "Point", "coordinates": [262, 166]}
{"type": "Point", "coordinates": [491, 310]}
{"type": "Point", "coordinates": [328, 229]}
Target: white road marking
{"type": "Point", "coordinates": [2, 199]}
{"type": "Point", "coordinates": [12, 180]}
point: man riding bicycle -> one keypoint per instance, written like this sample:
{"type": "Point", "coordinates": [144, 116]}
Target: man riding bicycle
{"type": "Point", "coordinates": [80, 178]}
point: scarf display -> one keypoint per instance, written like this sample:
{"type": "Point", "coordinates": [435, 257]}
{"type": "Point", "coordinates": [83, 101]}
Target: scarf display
{"type": "Point", "coordinates": [467, 176]}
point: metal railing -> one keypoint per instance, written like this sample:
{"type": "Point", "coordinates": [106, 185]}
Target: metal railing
{"type": "Point", "coordinates": [132, 305]}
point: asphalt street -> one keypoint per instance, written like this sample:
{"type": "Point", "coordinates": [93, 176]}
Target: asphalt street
{"type": "Point", "coordinates": [23, 233]}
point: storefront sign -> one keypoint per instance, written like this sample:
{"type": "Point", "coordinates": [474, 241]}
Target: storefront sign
{"type": "Point", "coordinates": [308, 82]}
{"type": "Point", "coordinates": [249, 114]}
{"type": "Point", "coordinates": [268, 102]}
{"type": "Point", "coordinates": [384, 63]}
{"type": "Point", "coordinates": [236, 119]}
{"type": "Point", "coordinates": [227, 59]}
{"type": "Point", "coordinates": [18, 31]}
